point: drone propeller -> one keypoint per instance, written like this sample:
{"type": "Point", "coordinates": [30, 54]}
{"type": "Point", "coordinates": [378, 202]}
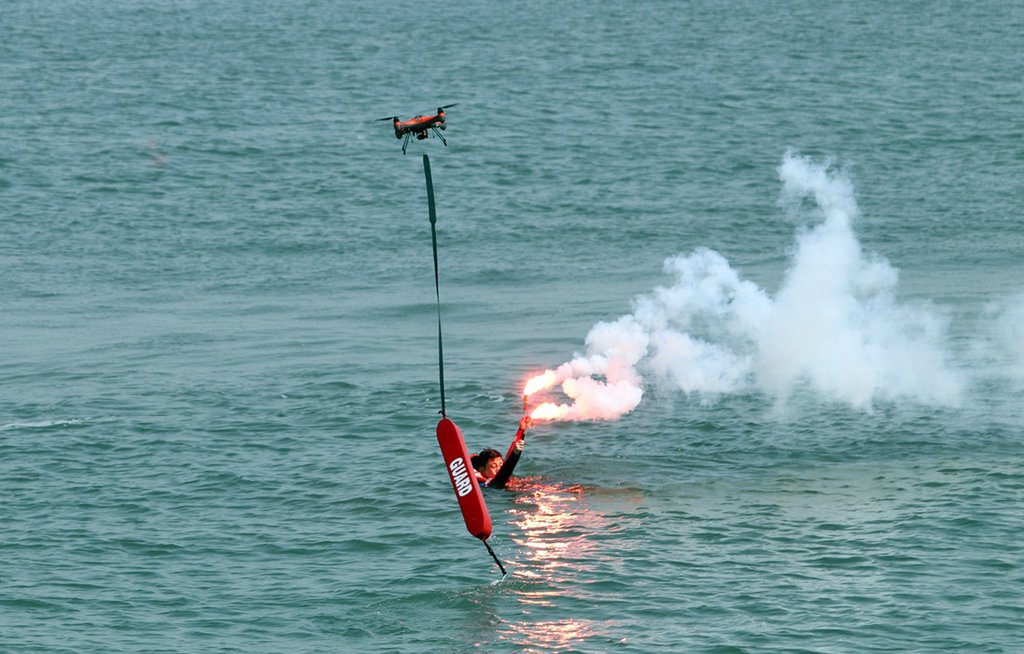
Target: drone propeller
{"type": "Point", "coordinates": [454, 104]}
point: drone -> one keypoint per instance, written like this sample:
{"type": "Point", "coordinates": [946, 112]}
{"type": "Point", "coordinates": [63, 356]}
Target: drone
{"type": "Point", "coordinates": [420, 126]}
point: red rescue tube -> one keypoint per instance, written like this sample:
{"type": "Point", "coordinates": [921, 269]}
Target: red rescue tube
{"type": "Point", "coordinates": [460, 473]}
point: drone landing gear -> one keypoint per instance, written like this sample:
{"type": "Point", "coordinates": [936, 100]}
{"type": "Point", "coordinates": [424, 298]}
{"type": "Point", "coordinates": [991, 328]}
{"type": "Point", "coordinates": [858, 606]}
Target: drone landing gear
{"type": "Point", "coordinates": [421, 135]}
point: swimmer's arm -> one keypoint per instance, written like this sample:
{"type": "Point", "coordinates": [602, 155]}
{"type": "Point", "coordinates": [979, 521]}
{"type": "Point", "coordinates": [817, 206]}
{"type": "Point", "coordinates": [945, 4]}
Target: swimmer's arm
{"type": "Point", "coordinates": [512, 457]}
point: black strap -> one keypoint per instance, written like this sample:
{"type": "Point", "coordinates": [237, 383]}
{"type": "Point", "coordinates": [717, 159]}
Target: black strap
{"type": "Point", "coordinates": [437, 278]}
{"type": "Point", "coordinates": [495, 557]}
{"type": "Point", "coordinates": [437, 292]}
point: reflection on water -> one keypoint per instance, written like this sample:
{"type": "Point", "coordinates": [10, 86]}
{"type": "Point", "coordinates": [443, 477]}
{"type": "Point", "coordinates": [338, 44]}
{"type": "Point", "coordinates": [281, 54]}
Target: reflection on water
{"type": "Point", "coordinates": [554, 528]}
{"type": "Point", "coordinates": [556, 636]}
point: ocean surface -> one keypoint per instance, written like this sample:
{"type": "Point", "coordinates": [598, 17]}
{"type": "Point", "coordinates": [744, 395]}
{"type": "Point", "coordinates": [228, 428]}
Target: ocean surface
{"type": "Point", "coordinates": [791, 232]}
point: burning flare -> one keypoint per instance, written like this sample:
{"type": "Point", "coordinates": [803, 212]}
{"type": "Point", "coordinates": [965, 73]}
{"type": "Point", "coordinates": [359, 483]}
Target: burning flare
{"type": "Point", "coordinates": [540, 382]}
{"type": "Point", "coordinates": [614, 348]}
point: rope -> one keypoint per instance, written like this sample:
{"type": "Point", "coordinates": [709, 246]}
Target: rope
{"type": "Point", "coordinates": [437, 277]}
{"type": "Point", "coordinates": [495, 557]}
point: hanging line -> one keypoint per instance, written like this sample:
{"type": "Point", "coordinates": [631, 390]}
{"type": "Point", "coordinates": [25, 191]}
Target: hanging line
{"type": "Point", "coordinates": [437, 293]}
{"type": "Point", "coordinates": [495, 557]}
{"type": "Point", "coordinates": [437, 278]}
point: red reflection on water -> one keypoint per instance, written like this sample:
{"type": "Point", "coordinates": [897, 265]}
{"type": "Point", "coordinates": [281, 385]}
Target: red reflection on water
{"type": "Point", "coordinates": [551, 531]}
{"type": "Point", "coordinates": [552, 528]}
{"type": "Point", "coordinates": [555, 636]}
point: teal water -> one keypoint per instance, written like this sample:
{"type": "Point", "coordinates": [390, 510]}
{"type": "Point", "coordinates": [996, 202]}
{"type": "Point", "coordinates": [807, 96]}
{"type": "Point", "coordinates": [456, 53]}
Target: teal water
{"type": "Point", "coordinates": [219, 360]}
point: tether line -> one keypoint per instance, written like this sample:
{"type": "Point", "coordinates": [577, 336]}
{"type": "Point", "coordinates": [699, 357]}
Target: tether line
{"type": "Point", "coordinates": [437, 277]}
{"type": "Point", "coordinates": [495, 557]}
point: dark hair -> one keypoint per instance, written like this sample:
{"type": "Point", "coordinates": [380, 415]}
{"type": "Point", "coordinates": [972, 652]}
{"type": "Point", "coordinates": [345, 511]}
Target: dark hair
{"type": "Point", "coordinates": [482, 459]}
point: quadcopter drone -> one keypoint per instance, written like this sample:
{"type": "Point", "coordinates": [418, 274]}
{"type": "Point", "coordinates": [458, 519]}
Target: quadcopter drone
{"type": "Point", "coordinates": [420, 126]}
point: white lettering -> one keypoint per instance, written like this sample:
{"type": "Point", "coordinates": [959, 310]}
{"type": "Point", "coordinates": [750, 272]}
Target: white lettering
{"type": "Point", "coordinates": [460, 477]}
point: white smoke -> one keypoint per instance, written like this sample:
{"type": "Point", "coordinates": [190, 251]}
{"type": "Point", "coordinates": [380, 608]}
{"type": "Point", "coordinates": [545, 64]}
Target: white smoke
{"type": "Point", "coordinates": [835, 322]}
{"type": "Point", "coordinates": [834, 326]}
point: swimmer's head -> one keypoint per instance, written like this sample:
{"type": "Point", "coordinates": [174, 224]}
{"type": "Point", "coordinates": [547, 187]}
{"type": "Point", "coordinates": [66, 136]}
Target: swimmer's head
{"type": "Point", "coordinates": [488, 463]}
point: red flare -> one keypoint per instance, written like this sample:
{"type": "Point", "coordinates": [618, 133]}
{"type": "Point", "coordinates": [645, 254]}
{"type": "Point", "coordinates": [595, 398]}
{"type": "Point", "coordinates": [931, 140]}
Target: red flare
{"type": "Point", "coordinates": [549, 411]}
{"type": "Point", "coordinates": [540, 382]}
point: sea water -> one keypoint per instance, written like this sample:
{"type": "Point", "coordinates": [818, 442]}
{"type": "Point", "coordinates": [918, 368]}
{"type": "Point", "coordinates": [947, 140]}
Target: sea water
{"type": "Point", "coordinates": [794, 228]}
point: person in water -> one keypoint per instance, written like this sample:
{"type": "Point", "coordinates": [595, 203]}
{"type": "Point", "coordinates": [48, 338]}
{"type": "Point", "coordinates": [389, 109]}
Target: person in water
{"type": "Point", "coordinates": [494, 471]}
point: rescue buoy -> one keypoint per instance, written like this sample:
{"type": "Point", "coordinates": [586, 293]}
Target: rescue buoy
{"type": "Point", "coordinates": [464, 483]}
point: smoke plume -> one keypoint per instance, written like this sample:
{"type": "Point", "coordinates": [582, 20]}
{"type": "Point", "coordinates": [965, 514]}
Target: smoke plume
{"type": "Point", "coordinates": [834, 326]}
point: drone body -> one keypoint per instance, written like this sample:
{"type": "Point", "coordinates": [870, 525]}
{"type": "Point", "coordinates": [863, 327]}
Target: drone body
{"type": "Point", "coordinates": [420, 126]}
